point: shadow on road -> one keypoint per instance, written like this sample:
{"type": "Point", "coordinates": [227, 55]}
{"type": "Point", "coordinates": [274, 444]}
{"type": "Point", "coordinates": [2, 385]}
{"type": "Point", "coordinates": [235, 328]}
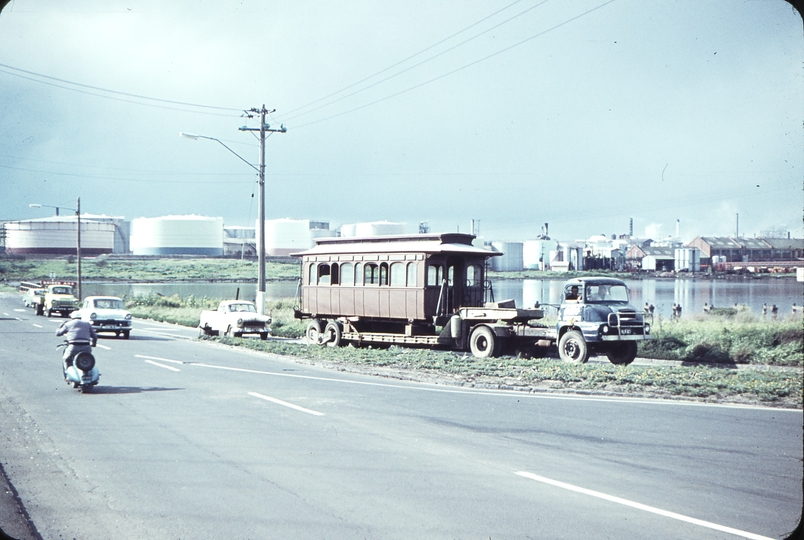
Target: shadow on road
{"type": "Point", "coordinates": [138, 337]}
{"type": "Point", "coordinates": [130, 389]}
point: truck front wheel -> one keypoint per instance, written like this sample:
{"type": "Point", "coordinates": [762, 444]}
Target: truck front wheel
{"type": "Point", "coordinates": [483, 343]}
{"type": "Point", "coordinates": [622, 353]}
{"type": "Point", "coordinates": [572, 348]}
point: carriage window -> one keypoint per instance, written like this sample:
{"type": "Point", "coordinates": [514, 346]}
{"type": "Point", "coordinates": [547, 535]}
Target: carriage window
{"type": "Point", "coordinates": [384, 274]}
{"type": "Point", "coordinates": [323, 274]}
{"type": "Point", "coordinates": [398, 274]}
{"type": "Point", "coordinates": [311, 274]}
{"type": "Point", "coordinates": [347, 274]}
{"type": "Point", "coordinates": [450, 275]}
{"type": "Point", "coordinates": [473, 275]}
{"type": "Point", "coordinates": [411, 274]}
{"type": "Point", "coordinates": [371, 274]}
{"type": "Point", "coordinates": [359, 274]}
{"type": "Point", "coordinates": [334, 274]}
{"type": "Point", "coordinates": [435, 274]}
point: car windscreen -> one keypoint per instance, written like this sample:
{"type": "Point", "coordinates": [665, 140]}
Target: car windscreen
{"type": "Point", "coordinates": [249, 308]}
{"type": "Point", "coordinates": [109, 303]}
{"type": "Point", "coordinates": [603, 294]}
{"type": "Point", "coordinates": [62, 290]}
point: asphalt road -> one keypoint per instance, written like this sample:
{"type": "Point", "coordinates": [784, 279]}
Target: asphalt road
{"type": "Point", "coordinates": [186, 439]}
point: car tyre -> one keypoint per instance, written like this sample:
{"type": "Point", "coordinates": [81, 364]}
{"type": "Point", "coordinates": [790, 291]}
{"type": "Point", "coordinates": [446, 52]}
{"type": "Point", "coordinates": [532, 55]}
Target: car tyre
{"type": "Point", "coordinates": [572, 348]}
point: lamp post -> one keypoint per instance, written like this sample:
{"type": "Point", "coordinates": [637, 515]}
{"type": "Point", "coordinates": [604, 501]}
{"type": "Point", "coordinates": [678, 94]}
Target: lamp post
{"type": "Point", "coordinates": [77, 211]}
{"type": "Point", "coordinates": [263, 129]}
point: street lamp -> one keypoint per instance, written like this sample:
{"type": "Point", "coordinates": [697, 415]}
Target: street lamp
{"type": "Point", "coordinates": [263, 129]}
{"type": "Point", "coordinates": [77, 211]}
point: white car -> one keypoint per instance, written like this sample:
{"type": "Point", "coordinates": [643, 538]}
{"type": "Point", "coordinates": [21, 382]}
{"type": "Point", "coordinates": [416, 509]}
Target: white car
{"type": "Point", "coordinates": [105, 314]}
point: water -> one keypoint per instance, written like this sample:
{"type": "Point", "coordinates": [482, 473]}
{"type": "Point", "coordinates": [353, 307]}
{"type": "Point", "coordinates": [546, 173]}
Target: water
{"type": "Point", "coordinates": [692, 294]}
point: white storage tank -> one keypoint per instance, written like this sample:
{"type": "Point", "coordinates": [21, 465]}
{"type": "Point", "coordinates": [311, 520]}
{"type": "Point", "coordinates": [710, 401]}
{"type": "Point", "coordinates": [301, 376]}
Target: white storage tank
{"type": "Point", "coordinates": [285, 236]}
{"type": "Point", "coordinates": [688, 259]}
{"type": "Point", "coordinates": [373, 228]}
{"type": "Point", "coordinates": [511, 260]}
{"type": "Point", "coordinates": [58, 235]}
{"type": "Point", "coordinates": [177, 235]}
{"type": "Point", "coordinates": [536, 254]}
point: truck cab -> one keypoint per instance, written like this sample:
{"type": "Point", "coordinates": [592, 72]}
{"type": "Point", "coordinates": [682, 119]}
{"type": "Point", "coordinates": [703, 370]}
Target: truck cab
{"type": "Point", "coordinates": [596, 317]}
{"type": "Point", "coordinates": [59, 299]}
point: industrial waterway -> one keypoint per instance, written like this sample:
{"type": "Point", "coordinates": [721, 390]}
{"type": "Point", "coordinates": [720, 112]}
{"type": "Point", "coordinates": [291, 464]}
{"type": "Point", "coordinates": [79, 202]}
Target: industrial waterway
{"type": "Point", "coordinates": [691, 294]}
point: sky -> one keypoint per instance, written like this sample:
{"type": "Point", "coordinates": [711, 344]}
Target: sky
{"type": "Point", "coordinates": [587, 115]}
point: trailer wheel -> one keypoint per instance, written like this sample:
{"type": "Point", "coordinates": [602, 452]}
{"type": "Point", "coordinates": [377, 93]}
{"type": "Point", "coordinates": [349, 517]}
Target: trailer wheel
{"type": "Point", "coordinates": [313, 332]}
{"type": "Point", "coordinates": [333, 334]}
{"type": "Point", "coordinates": [622, 353]}
{"type": "Point", "coordinates": [483, 342]}
{"type": "Point", "coordinates": [572, 348]}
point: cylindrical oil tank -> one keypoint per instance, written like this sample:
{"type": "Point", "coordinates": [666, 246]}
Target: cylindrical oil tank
{"type": "Point", "coordinates": [688, 259]}
{"type": "Point", "coordinates": [177, 235]}
{"type": "Point", "coordinates": [373, 228]}
{"type": "Point", "coordinates": [59, 236]}
{"type": "Point", "coordinates": [511, 260]}
{"type": "Point", "coordinates": [536, 253]}
{"type": "Point", "coordinates": [286, 236]}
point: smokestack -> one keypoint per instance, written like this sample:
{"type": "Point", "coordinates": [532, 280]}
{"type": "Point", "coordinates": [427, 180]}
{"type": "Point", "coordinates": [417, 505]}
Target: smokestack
{"type": "Point", "coordinates": [678, 224]}
{"type": "Point", "coordinates": [631, 227]}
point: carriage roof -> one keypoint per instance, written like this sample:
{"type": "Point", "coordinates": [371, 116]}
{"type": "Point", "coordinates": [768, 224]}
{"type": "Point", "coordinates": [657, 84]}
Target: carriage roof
{"type": "Point", "coordinates": [451, 243]}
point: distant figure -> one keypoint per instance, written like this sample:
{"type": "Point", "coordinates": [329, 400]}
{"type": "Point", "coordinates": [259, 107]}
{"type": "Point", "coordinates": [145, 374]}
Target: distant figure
{"type": "Point", "coordinates": [707, 308]}
{"type": "Point", "coordinates": [649, 311]}
{"type": "Point", "coordinates": [796, 308]}
{"type": "Point", "coordinates": [764, 310]}
{"type": "Point", "coordinates": [676, 311]}
{"type": "Point", "coordinates": [774, 312]}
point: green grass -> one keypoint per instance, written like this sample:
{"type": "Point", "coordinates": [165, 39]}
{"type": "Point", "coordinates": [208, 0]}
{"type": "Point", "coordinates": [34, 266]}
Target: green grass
{"type": "Point", "coordinates": [112, 269]}
{"type": "Point", "coordinates": [781, 387]}
{"type": "Point", "coordinates": [741, 339]}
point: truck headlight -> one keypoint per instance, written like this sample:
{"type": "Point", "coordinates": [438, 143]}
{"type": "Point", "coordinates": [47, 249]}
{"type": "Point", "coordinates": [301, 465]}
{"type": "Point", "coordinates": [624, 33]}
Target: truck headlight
{"type": "Point", "coordinates": [605, 329]}
{"type": "Point", "coordinates": [647, 328]}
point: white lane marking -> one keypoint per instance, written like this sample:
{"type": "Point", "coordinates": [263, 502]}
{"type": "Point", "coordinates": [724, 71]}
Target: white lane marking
{"type": "Point", "coordinates": [161, 330]}
{"type": "Point", "coordinates": [20, 310]}
{"type": "Point", "coordinates": [171, 368]}
{"type": "Point", "coordinates": [646, 508]}
{"type": "Point", "coordinates": [6, 314]}
{"type": "Point", "coordinates": [285, 403]}
{"type": "Point", "coordinates": [103, 347]}
{"type": "Point", "coordinates": [38, 326]}
{"type": "Point", "coordinates": [157, 358]}
{"type": "Point", "coordinates": [567, 397]}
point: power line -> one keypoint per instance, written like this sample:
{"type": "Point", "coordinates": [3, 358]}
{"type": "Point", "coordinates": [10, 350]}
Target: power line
{"type": "Point", "coordinates": [402, 61]}
{"type": "Point", "coordinates": [444, 75]}
{"type": "Point", "coordinates": [99, 89]}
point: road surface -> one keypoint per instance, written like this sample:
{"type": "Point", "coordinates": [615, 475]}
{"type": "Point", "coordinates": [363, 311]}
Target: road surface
{"type": "Point", "coordinates": [187, 439]}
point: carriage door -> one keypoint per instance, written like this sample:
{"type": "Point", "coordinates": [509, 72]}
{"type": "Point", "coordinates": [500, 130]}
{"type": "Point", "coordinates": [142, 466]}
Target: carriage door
{"type": "Point", "coordinates": [455, 282]}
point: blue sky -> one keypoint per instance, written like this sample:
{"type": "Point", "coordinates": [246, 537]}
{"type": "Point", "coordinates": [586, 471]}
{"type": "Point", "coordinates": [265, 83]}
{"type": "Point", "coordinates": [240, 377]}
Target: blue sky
{"type": "Point", "coordinates": [582, 115]}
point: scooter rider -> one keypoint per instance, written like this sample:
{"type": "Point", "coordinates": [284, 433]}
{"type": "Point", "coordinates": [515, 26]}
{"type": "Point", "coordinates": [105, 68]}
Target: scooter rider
{"type": "Point", "coordinates": [80, 337]}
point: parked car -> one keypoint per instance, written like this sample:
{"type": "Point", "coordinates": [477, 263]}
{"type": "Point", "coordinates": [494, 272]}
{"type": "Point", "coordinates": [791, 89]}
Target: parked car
{"type": "Point", "coordinates": [32, 297]}
{"type": "Point", "coordinates": [234, 318]}
{"type": "Point", "coordinates": [105, 314]}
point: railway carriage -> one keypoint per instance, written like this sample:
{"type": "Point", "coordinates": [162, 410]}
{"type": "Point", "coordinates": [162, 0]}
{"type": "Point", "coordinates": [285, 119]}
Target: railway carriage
{"type": "Point", "coordinates": [426, 289]}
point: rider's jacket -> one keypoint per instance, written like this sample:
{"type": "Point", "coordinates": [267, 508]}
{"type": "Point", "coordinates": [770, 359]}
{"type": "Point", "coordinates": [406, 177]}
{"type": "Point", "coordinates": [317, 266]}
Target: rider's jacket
{"type": "Point", "coordinates": [76, 331]}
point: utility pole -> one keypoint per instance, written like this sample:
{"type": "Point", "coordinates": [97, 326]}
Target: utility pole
{"type": "Point", "coordinates": [263, 129]}
{"type": "Point", "coordinates": [78, 247]}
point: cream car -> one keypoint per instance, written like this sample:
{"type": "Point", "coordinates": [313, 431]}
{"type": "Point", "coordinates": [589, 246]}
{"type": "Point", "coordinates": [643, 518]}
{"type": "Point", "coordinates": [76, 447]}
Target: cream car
{"type": "Point", "coordinates": [105, 314]}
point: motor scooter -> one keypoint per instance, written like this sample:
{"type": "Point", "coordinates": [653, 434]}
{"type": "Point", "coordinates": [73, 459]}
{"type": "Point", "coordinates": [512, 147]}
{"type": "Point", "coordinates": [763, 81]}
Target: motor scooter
{"type": "Point", "coordinates": [82, 372]}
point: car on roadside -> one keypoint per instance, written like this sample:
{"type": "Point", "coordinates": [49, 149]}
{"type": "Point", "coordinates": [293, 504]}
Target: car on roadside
{"type": "Point", "coordinates": [234, 318]}
{"type": "Point", "coordinates": [32, 297]}
{"type": "Point", "coordinates": [105, 314]}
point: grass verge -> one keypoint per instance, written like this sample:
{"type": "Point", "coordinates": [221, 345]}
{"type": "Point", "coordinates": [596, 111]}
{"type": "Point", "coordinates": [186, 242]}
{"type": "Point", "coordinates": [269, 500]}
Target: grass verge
{"type": "Point", "coordinates": [755, 385]}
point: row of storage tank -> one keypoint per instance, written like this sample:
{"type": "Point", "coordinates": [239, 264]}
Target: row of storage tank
{"type": "Point", "coordinates": [173, 235]}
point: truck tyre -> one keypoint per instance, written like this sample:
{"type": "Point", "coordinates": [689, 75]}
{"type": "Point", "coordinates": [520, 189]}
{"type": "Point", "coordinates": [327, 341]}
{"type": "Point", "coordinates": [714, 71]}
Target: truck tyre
{"type": "Point", "coordinates": [313, 332]}
{"type": "Point", "coordinates": [622, 353]}
{"type": "Point", "coordinates": [483, 343]}
{"type": "Point", "coordinates": [332, 334]}
{"type": "Point", "coordinates": [572, 348]}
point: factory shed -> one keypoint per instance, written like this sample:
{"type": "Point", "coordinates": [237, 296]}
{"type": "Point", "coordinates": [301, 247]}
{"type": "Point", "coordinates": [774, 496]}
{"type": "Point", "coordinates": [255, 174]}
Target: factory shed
{"type": "Point", "coordinates": [651, 258]}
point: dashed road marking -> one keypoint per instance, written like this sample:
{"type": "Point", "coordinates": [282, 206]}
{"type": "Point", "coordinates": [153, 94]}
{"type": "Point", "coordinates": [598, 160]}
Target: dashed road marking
{"type": "Point", "coordinates": [285, 404]}
{"type": "Point", "coordinates": [171, 368]}
{"type": "Point", "coordinates": [644, 507]}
